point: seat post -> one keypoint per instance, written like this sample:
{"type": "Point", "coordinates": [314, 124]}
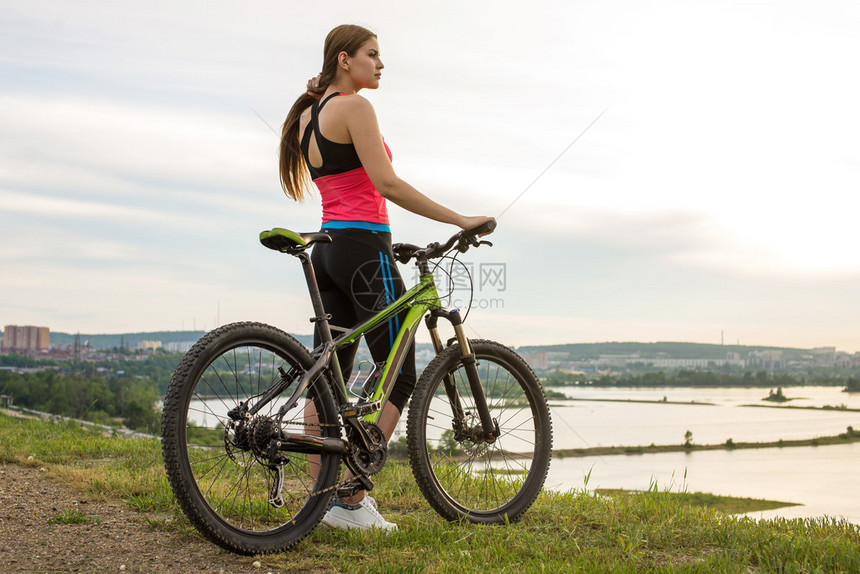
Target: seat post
{"type": "Point", "coordinates": [320, 316]}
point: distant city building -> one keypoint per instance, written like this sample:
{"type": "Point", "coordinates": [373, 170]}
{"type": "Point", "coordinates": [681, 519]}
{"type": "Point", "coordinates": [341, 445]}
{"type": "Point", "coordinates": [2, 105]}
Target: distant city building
{"type": "Point", "coordinates": [823, 351]}
{"type": "Point", "coordinates": [26, 338]}
{"type": "Point", "coordinates": [683, 363]}
{"type": "Point", "coordinates": [765, 359]}
{"type": "Point", "coordinates": [620, 360]}
{"type": "Point", "coordinates": [148, 345]}
{"type": "Point", "coordinates": [538, 360]}
{"type": "Point", "coordinates": [178, 346]}
{"type": "Point", "coordinates": [824, 356]}
{"type": "Point", "coordinates": [847, 360]}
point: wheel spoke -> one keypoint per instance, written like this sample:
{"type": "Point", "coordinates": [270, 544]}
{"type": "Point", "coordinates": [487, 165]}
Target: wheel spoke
{"type": "Point", "coordinates": [228, 462]}
{"type": "Point", "coordinates": [485, 482]}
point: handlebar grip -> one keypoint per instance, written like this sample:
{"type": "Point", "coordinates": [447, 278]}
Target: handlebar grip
{"type": "Point", "coordinates": [487, 227]}
{"type": "Point", "coordinates": [403, 252]}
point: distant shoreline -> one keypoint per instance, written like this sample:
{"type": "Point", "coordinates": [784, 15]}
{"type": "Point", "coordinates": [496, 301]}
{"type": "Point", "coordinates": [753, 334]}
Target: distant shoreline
{"type": "Point", "coordinates": [707, 404]}
{"type": "Point", "coordinates": [851, 436]}
{"type": "Point", "coordinates": [824, 408]}
{"type": "Point", "coordinates": [656, 402]}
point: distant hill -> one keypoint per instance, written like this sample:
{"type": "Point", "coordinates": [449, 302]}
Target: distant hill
{"type": "Point", "coordinates": [574, 351]}
{"type": "Point", "coordinates": [669, 350]}
{"type": "Point", "coordinates": [130, 340]}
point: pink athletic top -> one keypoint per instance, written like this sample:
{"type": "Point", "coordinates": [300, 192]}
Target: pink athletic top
{"type": "Point", "coordinates": [349, 198]}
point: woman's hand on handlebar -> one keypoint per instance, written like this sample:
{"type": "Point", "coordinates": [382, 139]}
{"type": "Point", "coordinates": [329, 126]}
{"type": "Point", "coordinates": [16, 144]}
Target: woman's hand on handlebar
{"type": "Point", "coordinates": [468, 223]}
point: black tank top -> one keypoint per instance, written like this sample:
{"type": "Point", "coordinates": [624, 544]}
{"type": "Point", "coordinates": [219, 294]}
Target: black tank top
{"type": "Point", "coordinates": [336, 157]}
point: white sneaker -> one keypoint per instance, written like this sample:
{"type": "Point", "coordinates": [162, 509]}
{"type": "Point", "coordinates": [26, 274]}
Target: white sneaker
{"type": "Point", "coordinates": [361, 516]}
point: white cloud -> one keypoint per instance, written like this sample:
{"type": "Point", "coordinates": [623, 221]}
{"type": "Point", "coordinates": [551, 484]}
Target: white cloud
{"type": "Point", "coordinates": [728, 156]}
{"type": "Point", "coordinates": [106, 139]}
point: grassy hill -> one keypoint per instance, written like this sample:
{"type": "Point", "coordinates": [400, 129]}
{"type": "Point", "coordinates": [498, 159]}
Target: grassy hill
{"type": "Point", "coordinates": [563, 532]}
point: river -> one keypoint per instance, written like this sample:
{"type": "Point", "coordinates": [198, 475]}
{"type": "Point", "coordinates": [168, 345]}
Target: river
{"type": "Point", "coordinates": [822, 480]}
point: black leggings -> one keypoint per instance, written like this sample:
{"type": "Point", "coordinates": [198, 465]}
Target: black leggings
{"type": "Point", "coordinates": [357, 277]}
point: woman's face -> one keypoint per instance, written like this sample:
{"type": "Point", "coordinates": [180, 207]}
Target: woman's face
{"type": "Point", "coordinates": [365, 67]}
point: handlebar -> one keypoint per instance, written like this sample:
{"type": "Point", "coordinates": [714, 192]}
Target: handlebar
{"type": "Point", "coordinates": [463, 240]}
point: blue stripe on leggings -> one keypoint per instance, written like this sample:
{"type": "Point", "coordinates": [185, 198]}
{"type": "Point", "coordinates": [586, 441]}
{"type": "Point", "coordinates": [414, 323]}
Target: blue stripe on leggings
{"type": "Point", "coordinates": [388, 299]}
{"type": "Point", "coordinates": [396, 318]}
{"type": "Point", "coordinates": [391, 286]}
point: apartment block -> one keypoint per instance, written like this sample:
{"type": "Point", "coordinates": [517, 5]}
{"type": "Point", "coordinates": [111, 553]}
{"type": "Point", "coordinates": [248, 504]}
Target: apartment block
{"type": "Point", "coordinates": [26, 338]}
{"type": "Point", "coordinates": [148, 345]}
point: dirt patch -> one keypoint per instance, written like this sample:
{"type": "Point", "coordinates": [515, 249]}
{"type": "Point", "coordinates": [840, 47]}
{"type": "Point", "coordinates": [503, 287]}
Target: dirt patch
{"type": "Point", "coordinates": [46, 526]}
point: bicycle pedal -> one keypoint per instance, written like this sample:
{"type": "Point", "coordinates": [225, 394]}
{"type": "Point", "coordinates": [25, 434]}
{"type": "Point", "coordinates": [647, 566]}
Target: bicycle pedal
{"type": "Point", "coordinates": [361, 409]}
{"type": "Point", "coordinates": [354, 486]}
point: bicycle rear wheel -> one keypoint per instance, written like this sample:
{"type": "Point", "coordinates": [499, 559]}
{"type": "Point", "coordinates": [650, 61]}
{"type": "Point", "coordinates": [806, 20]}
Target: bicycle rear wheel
{"type": "Point", "coordinates": [478, 481]}
{"type": "Point", "coordinates": [219, 468]}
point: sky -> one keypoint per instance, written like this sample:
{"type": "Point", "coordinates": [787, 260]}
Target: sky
{"type": "Point", "coordinates": [714, 199]}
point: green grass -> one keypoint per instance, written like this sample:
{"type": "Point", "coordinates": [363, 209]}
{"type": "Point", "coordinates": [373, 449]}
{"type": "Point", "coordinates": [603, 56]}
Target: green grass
{"type": "Point", "coordinates": [126, 468]}
{"type": "Point", "coordinates": [727, 504]}
{"type": "Point", "coordinates": [576, 531]}
{"type": "Point", "coordinates": [73, 517]}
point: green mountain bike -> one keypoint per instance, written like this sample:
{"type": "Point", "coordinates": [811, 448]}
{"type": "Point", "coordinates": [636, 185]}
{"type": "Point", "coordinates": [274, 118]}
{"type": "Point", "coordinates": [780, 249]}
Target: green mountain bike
{"type": "Point", "coordinates": [255, 426]}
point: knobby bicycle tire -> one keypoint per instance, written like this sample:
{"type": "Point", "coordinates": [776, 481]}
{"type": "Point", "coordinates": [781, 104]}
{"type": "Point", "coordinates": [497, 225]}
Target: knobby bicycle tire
{"type": "Point", "coordinates": [218, 472]}
{"type": "Point", "coordinates": [484, 483]}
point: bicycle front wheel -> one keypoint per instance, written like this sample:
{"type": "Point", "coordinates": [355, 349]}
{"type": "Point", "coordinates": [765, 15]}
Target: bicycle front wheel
{"type": "Point", "coordinates": [220, 469]}
{"type": "Point", "coordinates": [483, 482]}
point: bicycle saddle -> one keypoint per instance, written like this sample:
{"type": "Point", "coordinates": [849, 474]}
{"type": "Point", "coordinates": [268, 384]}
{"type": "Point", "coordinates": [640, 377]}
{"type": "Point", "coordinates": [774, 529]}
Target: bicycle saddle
{"type": "Point", "coordinates": [284, 240]}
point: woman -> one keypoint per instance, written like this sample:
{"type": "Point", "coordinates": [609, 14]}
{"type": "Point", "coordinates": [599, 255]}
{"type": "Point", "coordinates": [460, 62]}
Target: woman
{"type": "Point", "coordinates": [331, 135]}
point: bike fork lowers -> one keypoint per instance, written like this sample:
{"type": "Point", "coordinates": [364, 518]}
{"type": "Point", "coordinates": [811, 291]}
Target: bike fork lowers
{"type": "Point", "coordinates": [490, 427]}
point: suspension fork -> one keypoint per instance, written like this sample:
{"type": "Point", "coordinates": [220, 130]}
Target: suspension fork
{"type": "Point", "coordinates": [467, 358]}
{"type": "Point", "coordinates": [450, 388]}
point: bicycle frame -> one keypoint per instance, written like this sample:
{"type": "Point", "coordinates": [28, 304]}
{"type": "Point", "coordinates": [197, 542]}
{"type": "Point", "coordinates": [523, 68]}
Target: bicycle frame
{"type": "Point", "coordinates": [417, 308]}
{"type": "Point", "coordinates": [420, 300]}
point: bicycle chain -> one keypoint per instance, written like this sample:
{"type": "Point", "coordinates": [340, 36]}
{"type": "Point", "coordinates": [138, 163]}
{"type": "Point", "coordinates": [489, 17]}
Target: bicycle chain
{"type": "Point", "coordinates": [331, 488]}
{"type": "Point", "coordinates": [335, 486]}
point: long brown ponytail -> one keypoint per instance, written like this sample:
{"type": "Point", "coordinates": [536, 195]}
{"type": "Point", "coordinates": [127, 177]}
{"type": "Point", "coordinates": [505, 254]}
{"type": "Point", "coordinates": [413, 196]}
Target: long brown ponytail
{"type": "Point", "coordinates": [295, 178]}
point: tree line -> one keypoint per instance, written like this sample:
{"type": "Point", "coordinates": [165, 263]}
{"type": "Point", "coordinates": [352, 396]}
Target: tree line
{"type": "Point", "coordinates": [688, 378]}
{"type": "Point", "coordinates": [100, 399]}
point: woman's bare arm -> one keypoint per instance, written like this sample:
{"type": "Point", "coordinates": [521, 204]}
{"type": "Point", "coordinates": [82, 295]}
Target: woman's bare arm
{"type": "Point", "coordinates": [364, 131]}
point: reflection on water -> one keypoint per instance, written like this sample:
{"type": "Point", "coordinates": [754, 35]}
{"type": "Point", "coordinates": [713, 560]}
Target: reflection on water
{"type": "Point", "coordinates": [822, 479]}
{"type": "Point", "coordinates": [582, 424]}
